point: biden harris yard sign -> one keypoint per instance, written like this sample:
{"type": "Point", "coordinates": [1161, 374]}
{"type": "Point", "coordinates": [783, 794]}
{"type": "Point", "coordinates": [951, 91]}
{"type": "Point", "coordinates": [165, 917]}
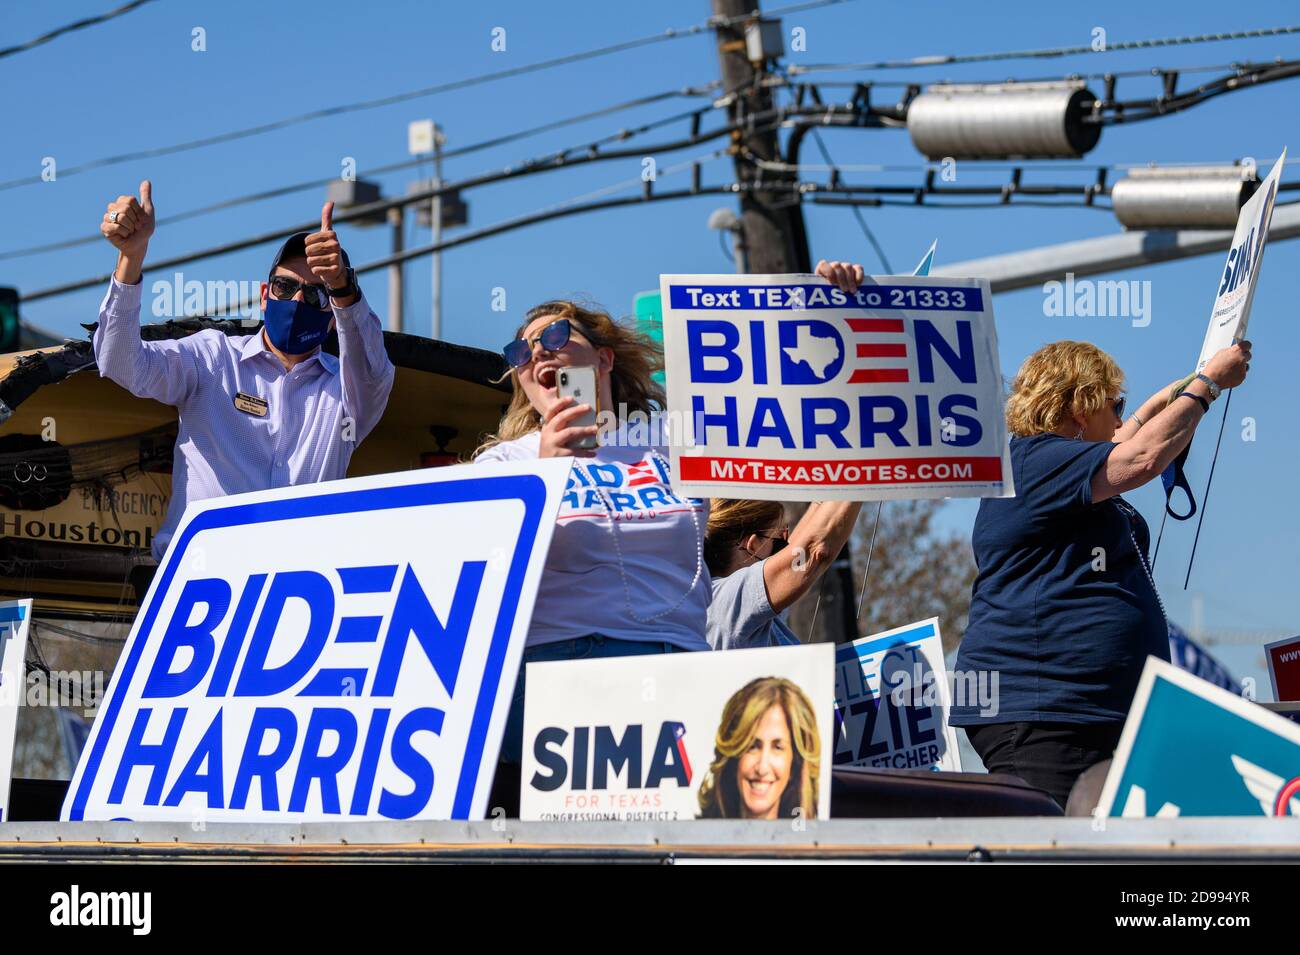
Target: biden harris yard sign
{"type": "Point", "coordinates": [337, 651]}
{"type": "Point", "coordinates": [15, 620]}
{"type": "Point", "coordinates": [785, 387]}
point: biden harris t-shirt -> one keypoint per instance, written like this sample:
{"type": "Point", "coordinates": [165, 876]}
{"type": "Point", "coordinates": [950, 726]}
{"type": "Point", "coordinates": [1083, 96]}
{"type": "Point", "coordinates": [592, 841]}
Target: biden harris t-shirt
{"type": "Point", "coordinates": [1063, 608]}
{"type": "Point", "coordinates": [622, 490]}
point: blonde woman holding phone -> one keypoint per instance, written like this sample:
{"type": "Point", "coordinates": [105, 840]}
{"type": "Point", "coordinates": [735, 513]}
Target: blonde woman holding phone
{"type": "Point", "coordinates": [625, 574]}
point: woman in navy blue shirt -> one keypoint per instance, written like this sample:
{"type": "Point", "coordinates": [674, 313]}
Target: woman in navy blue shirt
{"type": "Point", "coordinates": [1064, 611]}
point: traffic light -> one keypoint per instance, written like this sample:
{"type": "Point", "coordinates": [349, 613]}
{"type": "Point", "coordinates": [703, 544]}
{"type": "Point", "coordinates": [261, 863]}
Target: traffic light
{"type": "Point", "coordinates": [10, 333]}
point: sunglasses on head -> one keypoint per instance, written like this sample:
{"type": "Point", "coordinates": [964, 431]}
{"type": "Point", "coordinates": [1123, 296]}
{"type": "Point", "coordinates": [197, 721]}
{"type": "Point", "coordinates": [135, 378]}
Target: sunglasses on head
{"type": "Point", "coordinates": [553, 337]}
{"type": "Point", "coordinates": [284, 287]}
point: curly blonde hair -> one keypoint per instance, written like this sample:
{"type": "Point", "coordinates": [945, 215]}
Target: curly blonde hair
{"type": "Point", "coordinates": [719, 794]}
{"type": "Point", "coordinates": [1058, 381]}
{"type": "Point", "coordinates": [636, 359]}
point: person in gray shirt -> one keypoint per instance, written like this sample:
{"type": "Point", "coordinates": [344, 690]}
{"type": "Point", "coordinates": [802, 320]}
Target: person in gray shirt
{"type": "Point", "coordinates": [756, 576]}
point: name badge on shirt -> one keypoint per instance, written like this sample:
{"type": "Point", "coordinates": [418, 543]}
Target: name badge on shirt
{"type": "Point", "coordinates": [251, 404]}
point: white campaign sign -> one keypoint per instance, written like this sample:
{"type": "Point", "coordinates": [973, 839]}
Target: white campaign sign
{"type": "Point", "coordinates": [337, 651]}
{"type": "Point", "coordinates": [734, 734]}
{"type": "Point", "coordinates": [15, 621]}
{"type": "Point", "coordinates": [892, 700]}
{"type": "Point", "coordinates": [1231, 309]}
{"type": "Point", "coordinates": [786, 388]}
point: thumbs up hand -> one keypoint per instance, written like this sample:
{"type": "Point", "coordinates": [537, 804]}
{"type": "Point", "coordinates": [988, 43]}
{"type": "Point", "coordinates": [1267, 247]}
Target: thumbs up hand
{"type": "Point", "coordinates": [324, 254]}
{"type": "Point", "coordinates": [129, 222]}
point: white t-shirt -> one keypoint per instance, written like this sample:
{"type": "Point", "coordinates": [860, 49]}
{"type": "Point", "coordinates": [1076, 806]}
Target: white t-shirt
{"type": "Point", "coordinates": [659, 538]}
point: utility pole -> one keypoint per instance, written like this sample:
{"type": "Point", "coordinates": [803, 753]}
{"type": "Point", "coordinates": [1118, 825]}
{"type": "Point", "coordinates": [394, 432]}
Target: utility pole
{"type": "Point", "coordinates": [775, 240]}
{"type": "Point", "coordinates": [772, 220]}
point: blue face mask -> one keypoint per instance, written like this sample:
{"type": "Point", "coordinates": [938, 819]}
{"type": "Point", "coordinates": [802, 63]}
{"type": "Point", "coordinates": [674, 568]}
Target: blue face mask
{"type": "Point", "coordinates": [295, 327]}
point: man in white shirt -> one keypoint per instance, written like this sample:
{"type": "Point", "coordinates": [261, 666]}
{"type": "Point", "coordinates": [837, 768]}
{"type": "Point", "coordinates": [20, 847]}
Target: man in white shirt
{"type": "Point", "coordinates": [256, 411]}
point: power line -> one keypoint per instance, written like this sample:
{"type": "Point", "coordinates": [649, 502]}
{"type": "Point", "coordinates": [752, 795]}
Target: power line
{"type": "Point", "coordinates": [392, 99]}
{"type": "Point", "coordinates": [71, 27]}
{"type": "Point", "coordinates": [1050, 52]}
{"type": "Point", "coordinates": [1107, 110]}
{"type": "Point", "coordinates": [589, 202]}
{"type": "Point", "coordinates": [1133, 73]}
{"type": "Point", "coordinates": [1172, 102]}
{"type": "Point", "coordinates": [831, 200]}
{"type": "Point", "coordinates": [280, 191]}
{"type": "Point", "coordinates": [871, 238]}
{"type": "Point", "coordinates": [563, 160]}
{"type": "Point", "coordinates": [819, 194]}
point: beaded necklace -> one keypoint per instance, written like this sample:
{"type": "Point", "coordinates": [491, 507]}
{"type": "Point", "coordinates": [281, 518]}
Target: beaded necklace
{"type": "Point", "coordinates": [618, 551]}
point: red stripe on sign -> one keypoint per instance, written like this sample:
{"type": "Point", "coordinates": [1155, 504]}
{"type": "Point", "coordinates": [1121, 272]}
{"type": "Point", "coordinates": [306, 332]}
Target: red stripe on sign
{"type": "Point", "coordinates": [877, 374]}
{"type": "Point", "coordinates": [882, 351]}
{"type": "Point", "coordinates": [875, 324]}
{"type": "Point", "coordinates": [860, 473]}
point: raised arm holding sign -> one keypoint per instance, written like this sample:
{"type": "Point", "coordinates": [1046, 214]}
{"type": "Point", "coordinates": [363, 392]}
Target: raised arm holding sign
{"type": "Point", "coordinates": [791, 388]}
{"type": "Point", "coordinates": [1227, 328]}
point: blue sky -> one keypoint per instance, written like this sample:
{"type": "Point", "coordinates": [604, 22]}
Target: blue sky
{"type": "Point", "coordinates": [136, 83]}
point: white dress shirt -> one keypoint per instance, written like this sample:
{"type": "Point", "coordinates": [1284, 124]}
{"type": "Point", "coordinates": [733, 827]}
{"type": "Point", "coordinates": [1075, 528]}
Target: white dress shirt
{"type": "Point", "coordinates": [315, 414]}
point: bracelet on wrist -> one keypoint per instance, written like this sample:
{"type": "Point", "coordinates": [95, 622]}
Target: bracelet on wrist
{"type": "Point", "coordinates": [1211, 385]}
{"type": "Point", "coordinates": [1205, 405]}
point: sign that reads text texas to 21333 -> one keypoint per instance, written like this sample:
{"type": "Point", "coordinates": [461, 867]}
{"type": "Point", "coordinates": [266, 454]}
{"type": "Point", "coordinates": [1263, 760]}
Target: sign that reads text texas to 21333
{"type": "Point", "coordinates": [338, 651]}
{"type": "Point", "coordinates": [786, 387]}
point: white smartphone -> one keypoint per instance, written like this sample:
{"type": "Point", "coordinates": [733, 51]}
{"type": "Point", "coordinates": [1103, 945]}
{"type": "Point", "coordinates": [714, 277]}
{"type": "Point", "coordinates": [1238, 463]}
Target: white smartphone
{"type": "Point", "coordinates": [579, 383]}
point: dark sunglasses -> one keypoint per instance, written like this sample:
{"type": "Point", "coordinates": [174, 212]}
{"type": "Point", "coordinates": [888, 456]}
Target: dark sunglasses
{"type": "Point", "coordinates": [553, 337]}
{"type": "Point", "coordinates": [1119, 407]}
{"type": "Point", "coordinates": [283, 287]}
{"type": "Point", "coordinates": [778, 543]}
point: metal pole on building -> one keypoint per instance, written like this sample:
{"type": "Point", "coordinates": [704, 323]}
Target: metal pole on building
{"type": "Point", "coordinates": [435, 211]}
{"type": "Point", "coordinates": [425, 137]}
{"type": "Point", "coordinates": [397, 222]}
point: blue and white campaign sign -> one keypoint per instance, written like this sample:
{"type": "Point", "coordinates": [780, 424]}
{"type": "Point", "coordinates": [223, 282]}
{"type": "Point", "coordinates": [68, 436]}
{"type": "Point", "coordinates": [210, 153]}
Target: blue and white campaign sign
{"type": "Point", "coordinates": [784, 387]}
{"type": "Point", "coordinates": [15, 621]}
{"type": "Point", "coordinates": [744, 734]}
{"type": "Point", "coordinates": [1185, 653]}
{"type": "Point", "coordinates": [1240, 275]}
{"type": "Point", "coordinates": [337, 651]}
{"type": "Point", "coordinates": [1190, 748]}
{"type": "Point", "coordinates": [892, 699]}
